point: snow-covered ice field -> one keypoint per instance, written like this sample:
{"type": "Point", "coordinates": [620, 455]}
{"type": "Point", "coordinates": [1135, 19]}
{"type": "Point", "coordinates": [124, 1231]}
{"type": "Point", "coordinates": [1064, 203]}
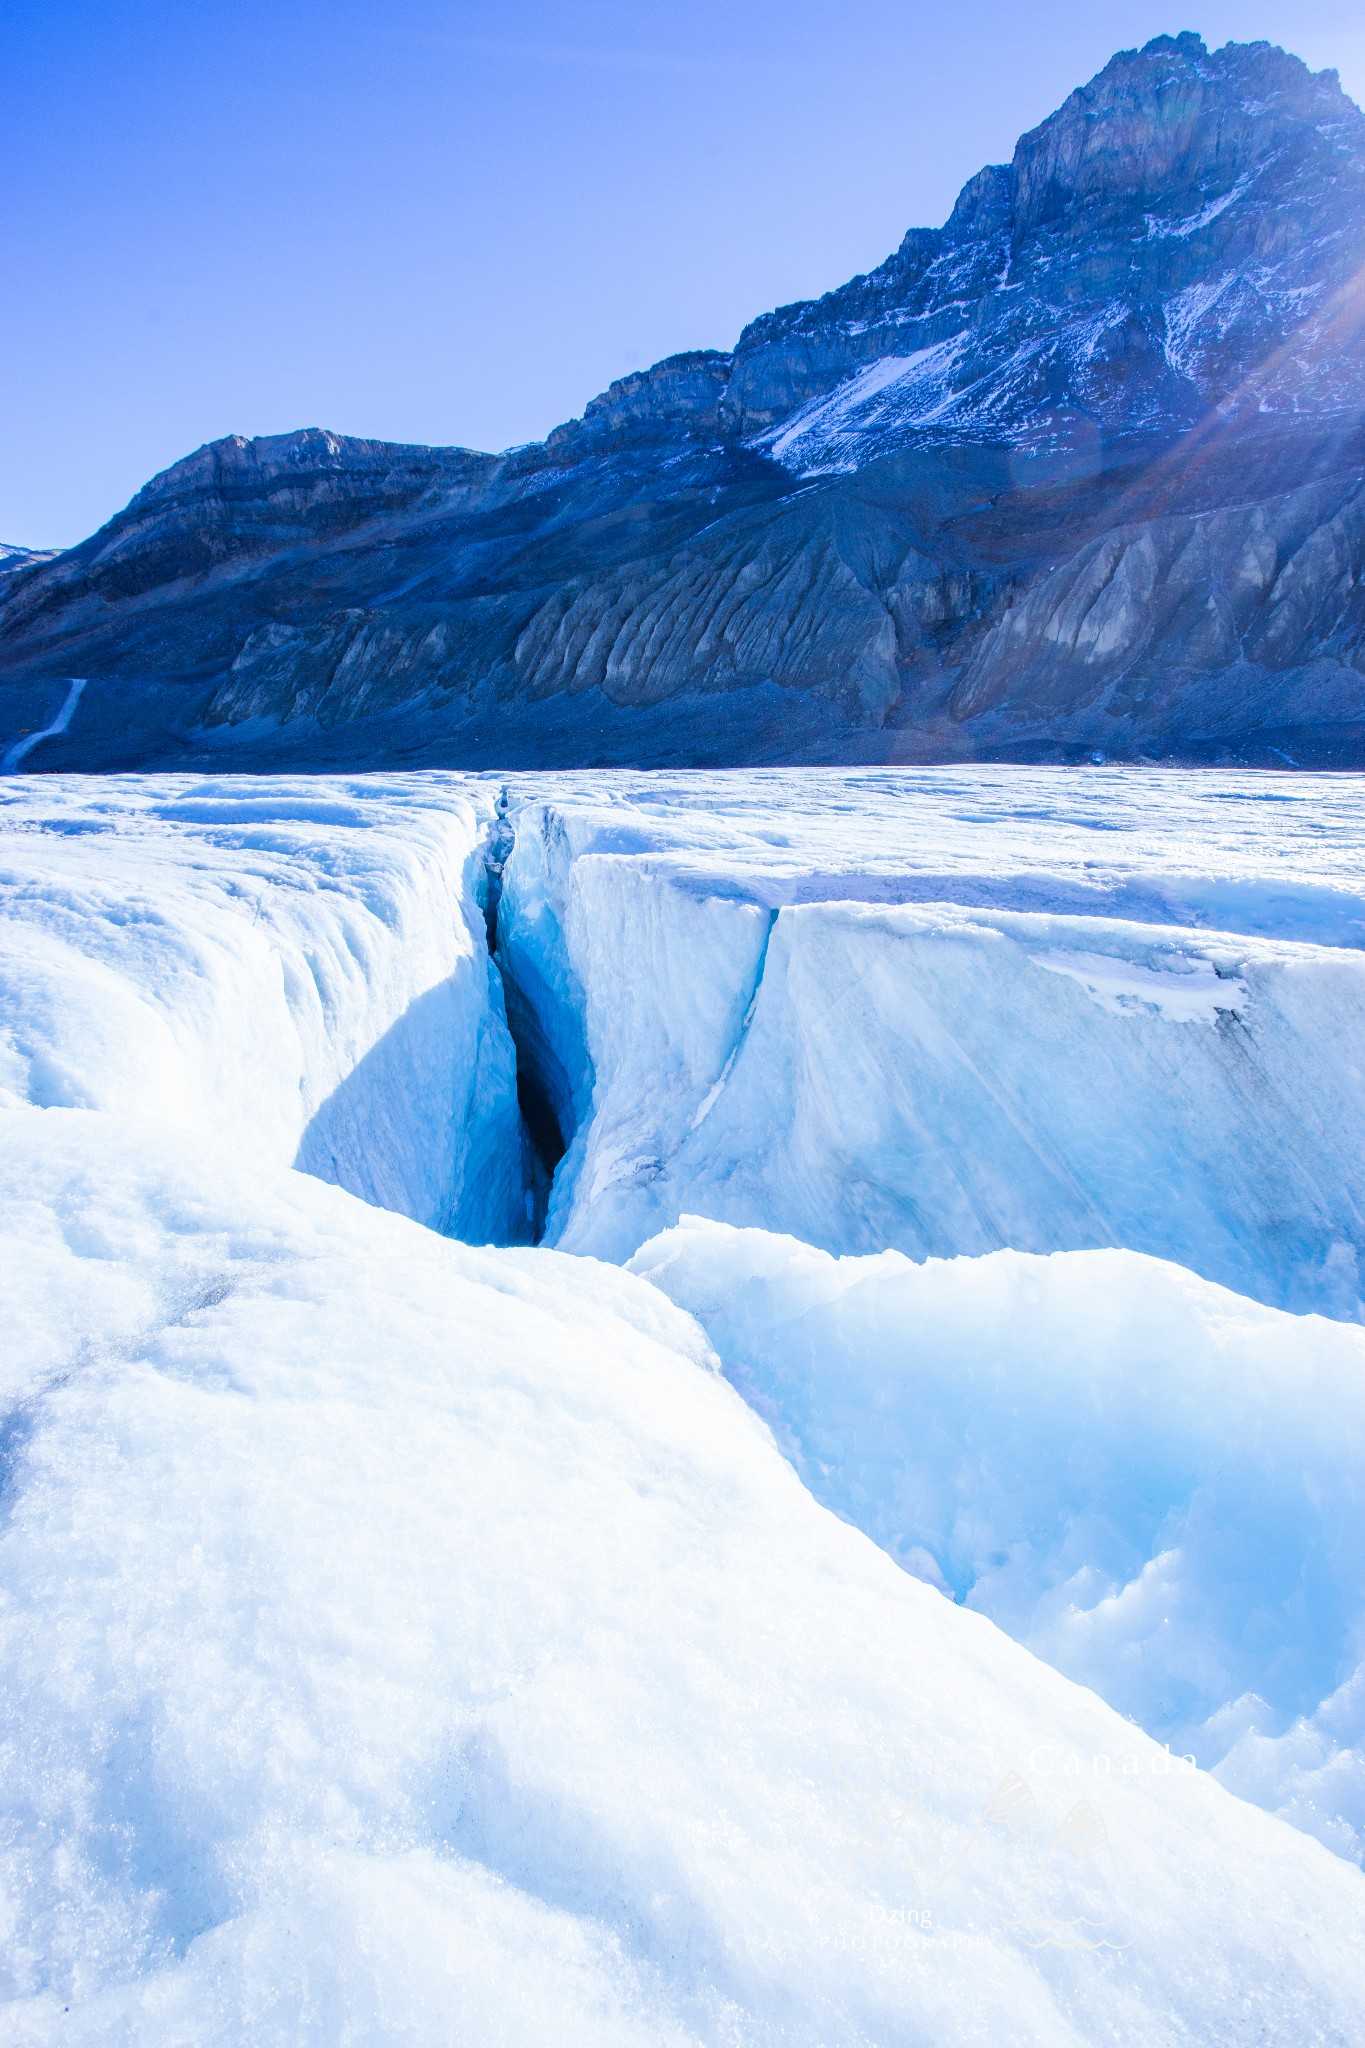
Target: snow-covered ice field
{"type": "Point", "coordinates": [759, 1611]}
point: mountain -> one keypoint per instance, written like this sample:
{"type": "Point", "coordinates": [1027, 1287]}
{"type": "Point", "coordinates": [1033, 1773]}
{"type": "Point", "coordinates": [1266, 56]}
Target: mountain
{"type": "Point", "coordinates": [13, 559]}
{"type": "Point", "coordinates": [1080, 471]}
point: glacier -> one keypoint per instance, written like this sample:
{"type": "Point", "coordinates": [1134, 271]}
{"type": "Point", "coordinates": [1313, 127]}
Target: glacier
{"type": "Point", "coordinates": [730, 1617]}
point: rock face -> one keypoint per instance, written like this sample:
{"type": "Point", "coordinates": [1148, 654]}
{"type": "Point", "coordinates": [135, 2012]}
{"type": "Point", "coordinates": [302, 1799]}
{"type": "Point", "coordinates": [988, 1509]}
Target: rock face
{"type": "Point", "coordinates": [1083, 470]}
{"type": "Point", "coordinates": [13, 559]}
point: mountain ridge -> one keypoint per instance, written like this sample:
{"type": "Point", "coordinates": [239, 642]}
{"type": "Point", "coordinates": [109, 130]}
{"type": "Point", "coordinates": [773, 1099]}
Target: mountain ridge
{"type": "Point", "coordinates": [1078, 471]}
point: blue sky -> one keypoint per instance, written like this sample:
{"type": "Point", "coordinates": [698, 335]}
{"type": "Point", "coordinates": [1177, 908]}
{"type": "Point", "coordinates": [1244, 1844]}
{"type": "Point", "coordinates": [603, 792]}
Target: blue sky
{"type": "Point", "coordinates": [456, 222]}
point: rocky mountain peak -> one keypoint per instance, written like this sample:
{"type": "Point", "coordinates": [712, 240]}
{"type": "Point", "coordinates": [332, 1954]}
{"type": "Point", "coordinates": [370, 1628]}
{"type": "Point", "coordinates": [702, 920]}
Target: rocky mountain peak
{"type": "Point", "coordinates": [296, 468]}
{"type": "Point", "coordinates": [1173, 119]}
{"type": "Point", "coordinates": [1148, 245]}
{"type": "Point", "coordinates": [235, 459]}
{"type": "Point", "coordinates": [679, 393]}
{"type": "Point", "coordinates": [1174, 238]}
{"type": "Point", "coordinates": [237, 499]}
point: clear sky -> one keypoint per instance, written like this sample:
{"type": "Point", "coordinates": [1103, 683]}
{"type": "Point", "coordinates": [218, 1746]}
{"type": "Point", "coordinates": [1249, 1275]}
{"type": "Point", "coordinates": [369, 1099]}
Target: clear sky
{"type": "Point", "coordinates": [456, 220]}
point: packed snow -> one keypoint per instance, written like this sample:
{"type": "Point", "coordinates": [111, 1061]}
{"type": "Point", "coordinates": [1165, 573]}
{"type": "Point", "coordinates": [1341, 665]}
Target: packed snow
{"type": "Point", "coordinates": [404, 1641]}
{"type": "Point", "coordinates": [1151, 1482]}
{"type": "Point", "coordinates": [1195, 989]}
{"type": "Point", "coordinates": [407, 1640]}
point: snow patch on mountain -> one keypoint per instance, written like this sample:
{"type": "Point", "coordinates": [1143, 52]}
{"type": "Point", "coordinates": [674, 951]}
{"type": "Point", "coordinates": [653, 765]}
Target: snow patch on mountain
{"type": "Point", "coordinates": [834, 433]}
{"type": "Point", "coordinates": [1161, 229]}
{"type": "Point", "coordinates": [24, 746]}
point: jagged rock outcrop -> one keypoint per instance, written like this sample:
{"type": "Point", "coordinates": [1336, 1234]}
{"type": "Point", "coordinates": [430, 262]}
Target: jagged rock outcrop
{"type": "Point", "coordinates": [1080, 470]}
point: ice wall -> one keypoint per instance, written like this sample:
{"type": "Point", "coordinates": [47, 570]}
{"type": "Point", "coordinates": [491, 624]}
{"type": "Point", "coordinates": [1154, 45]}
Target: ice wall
{"type": "Point", "coordinates": [297, 967]}
{"type": "Point", "coordinates": [953, 1013]}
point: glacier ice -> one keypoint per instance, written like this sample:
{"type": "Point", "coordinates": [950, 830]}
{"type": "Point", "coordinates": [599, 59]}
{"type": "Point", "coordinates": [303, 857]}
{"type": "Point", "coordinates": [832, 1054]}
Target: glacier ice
{"type": "Point", "coordinates": [404, 1640]}
{"type": "Point", "coordinates": [1150, 1481]}
{"type": "Point", "coordinates": [296, 965]}
{"type": "Point", "coordinates": [954, 1011]}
